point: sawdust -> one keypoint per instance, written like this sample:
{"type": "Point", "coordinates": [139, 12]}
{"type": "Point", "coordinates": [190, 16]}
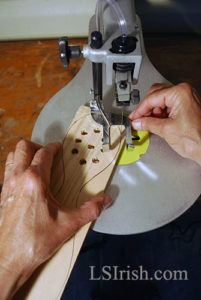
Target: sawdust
{"type": "Point", "coordinates": [2, 112]}
{"type": "Point", "coordinates": [14, 137]}
{"type": "Point", "coordinates": [11, 122]}
{"type": "Point", "coordinates": [40, 105]}
{"type": "Point", "coordinates": [38, 73]}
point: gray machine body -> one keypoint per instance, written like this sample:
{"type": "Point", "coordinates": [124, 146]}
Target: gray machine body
{"type": "Point", "coordinates": [147, 194]}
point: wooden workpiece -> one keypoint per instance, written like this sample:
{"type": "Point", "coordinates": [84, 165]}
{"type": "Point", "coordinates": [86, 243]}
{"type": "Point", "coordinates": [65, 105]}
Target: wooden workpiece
{"type": "Point", "coordinates": [80, 171]}
{"type": "Point", "coordinates": [30, 74]}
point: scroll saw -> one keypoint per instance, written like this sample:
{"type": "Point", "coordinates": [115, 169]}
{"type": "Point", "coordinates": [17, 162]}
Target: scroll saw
{"type": "Point", "coordinates": [115, 77]}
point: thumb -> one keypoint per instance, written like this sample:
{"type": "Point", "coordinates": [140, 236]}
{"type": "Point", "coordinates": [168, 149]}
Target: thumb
{"type": "Point", "coordinates": [154, 125]}
{"type": "Point", "coordinates": [87, 212]}
{"type": "Point", "coordinates": [91, 209]}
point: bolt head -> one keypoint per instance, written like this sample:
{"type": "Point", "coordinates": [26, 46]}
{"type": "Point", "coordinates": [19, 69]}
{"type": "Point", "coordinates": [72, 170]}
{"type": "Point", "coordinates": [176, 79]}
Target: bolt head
{"type": "Point", "coordinates": [123, 85]}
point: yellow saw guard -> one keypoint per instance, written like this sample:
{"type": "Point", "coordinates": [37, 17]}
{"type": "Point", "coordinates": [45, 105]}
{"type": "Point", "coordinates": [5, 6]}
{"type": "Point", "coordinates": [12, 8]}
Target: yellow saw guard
{"type": "Point", "coordinates": [131, 155]}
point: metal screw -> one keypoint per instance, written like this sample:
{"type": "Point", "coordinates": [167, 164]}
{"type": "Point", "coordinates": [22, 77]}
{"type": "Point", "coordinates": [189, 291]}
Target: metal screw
{"type": "Point", "coordinates": [123, 85]}
{"type": "Point", "coordinates": [135, 96]}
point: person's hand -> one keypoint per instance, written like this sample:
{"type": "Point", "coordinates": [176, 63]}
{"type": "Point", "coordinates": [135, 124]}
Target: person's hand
{"type": "Point", "coordinates": [174, 113]}
{"type": "Point", "coordinates": [32, 224]}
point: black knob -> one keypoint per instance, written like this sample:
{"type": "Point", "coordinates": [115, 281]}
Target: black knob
{"type": "Point", "coordinates": [67, 52]}
{"type": "Point", "coordinates": [124, 44]}
{"type": "Point", "coordinates": [96, 40]}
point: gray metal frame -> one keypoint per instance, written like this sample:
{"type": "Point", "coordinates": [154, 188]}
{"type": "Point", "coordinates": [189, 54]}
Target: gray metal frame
{"type": "Point", "coordinates": [147, 194]}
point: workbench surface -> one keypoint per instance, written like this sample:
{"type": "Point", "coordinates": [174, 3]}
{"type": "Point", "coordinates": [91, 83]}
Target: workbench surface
{"type": "Point", "coordinates": [30, 74]}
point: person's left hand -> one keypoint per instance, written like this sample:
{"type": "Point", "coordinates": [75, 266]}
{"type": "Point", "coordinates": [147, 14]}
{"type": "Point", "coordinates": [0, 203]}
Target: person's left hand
{"type": "Point", "coordinates": [32, 224]}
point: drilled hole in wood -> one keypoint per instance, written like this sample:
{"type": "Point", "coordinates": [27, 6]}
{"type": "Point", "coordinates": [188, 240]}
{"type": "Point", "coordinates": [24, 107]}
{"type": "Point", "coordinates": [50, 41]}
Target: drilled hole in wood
{"type": "Point", "coordinates": [83, 161]}
{"type": "Point", "coordinates": [75, 151]}
{"type": "Point", "coordinates": [95, 160]}
{"type": "Point", "coordinates": [78, 140]}
{"type": "Point", "coordinates": [97, 130]}
{"type": "Point", "coordinates": [83, 132]}
{"type": "Point", "coordinates": [91, 147]}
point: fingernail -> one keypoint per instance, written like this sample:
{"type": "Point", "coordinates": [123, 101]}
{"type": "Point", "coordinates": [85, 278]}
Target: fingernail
{"type": "Point", "coordinates": [107, 201]}
{"type": "Point", "coordinates": [137, 125]}
{"type": "Point", "coordinates": [131, 115]}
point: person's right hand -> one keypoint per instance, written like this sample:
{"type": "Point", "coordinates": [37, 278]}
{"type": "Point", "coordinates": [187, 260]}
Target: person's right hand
{"type": "Point", "coordinates": [174, 113]}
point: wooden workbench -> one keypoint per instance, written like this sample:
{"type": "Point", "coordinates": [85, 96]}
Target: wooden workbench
{"type": "Point", "coordinates": [30, 74]}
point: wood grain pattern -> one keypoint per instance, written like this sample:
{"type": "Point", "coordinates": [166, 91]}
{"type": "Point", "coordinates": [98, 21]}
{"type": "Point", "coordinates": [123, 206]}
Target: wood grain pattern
{"type": "Point", "coordinates": [83, 160]}
{"type": "Point", "coordinates": [30, 74]}
{"type": "Point", "coordinates": [80, 171]}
